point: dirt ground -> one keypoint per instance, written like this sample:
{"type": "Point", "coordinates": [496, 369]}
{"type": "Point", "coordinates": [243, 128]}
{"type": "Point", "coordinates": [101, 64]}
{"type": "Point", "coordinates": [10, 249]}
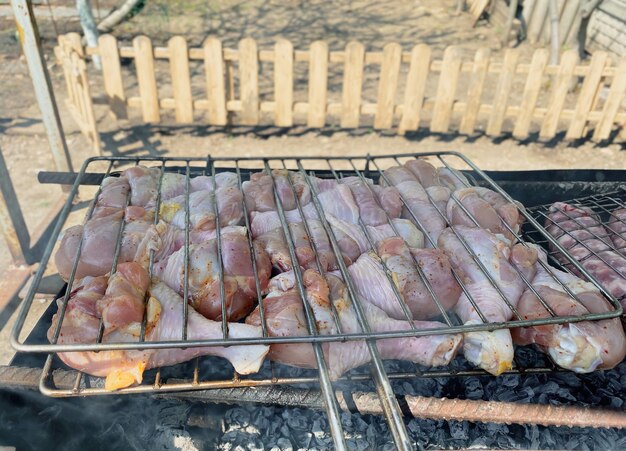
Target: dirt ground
{"type": "Point", "coordinates": [25, 148]}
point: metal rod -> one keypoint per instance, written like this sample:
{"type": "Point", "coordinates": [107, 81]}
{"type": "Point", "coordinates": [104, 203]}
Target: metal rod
{"type": "Point", "coordinates": [255, 270]}
{"type": "Point", "coordinates": [325, 383]}
{"type": "Point", "coordinates": [218, 240]}
{"type": "Point", "coordinates": [385, 392]}
{"type": "Point", "coordinates": [31, 45]}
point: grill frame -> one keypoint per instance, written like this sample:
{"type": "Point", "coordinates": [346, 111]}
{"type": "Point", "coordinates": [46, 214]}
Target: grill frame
{"type": "Point", "coordinates": [84, 385]}
{"type": "Point", "coordinates": [210, 163]}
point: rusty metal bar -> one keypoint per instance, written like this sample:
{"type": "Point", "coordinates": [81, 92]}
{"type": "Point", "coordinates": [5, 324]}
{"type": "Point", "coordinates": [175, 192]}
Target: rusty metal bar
{"type": "Point", "coordinates": [366, 403]}
{"type": "Point", "coordinates": [31, 45]}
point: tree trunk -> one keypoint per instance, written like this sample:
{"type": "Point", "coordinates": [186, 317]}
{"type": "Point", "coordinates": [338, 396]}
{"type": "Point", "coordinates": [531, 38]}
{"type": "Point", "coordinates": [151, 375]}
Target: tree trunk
{"type": "Point", "coordinates": [555, 45]}
{"type": "Point", "coordinates": [117, 16]}
{"type": "Point", "coordinates": [88, 24]}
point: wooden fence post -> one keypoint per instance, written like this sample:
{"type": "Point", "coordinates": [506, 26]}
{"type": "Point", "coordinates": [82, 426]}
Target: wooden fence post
{"type": "Point", "coordinates": [318, 84]}
{"type": "Point", "coordinates": [475, 90]}
{"type": "Point", "coordinates": [387, 86]}
{"type": "Point", "coordinates": [557, 99]}
{"type": "Point", "coordinates": [181, 83]}
{"type": "Point", "coordinates": [249, 81]}
{"type": "Point", "coordinates": [531, 93]}
{"type": "Point", "coordinates": [112, 75]}
{"type": "Point", "coordinates": [283, 83]}
{"type": "Point", "coordinates": [144, 63]}
{"type": "Point", "coordinates": [415, 88]}
{"type": "Point", "coordinates": [586, 95]}
{"type": "Point", "coordinates": [612, 103]}
{"type": "Point", "coordinates": [215, 90]}
{"type": "Point", "coordinates": [446, 90]}
{"type": "Point", "coordinates": [500, 99]}
{"type": "Point", "coordinates": [352, 85]}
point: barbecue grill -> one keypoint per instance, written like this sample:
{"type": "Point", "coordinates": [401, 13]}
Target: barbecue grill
{"type": "Point", "coordinates": [206, 373]}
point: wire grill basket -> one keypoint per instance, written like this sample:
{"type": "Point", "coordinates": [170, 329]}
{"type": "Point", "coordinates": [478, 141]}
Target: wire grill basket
{"type": "Point", "coordinates": [197, 375]}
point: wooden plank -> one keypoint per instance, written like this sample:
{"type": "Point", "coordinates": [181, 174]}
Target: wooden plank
{"type": "Point", "coordinates": [283, 83]}
{"type": "Point", "coordinates": [474, 93]}
{"type": "Point", "coordinates": [527, 10]}
{"type": "Point", "coordinates": [249, 81]}
{"type": "Point", "coordinates": [181, 82]}
{"type": "Point", "coordinates": [144, 63]}
{"type": "Point", "coordinates": [477, 8]}
{"type": "Point", "coordinates": [503, 89]}
{"type": "Point", "coordinates": [570, 14]}
{"type": "Point", "coordinates": [318, 84]}
{"type": "Point", "coordinates": [612, 104]}
{"type": "Point", "coordinates": [387, 85]}
{"type": "Point", "coordinates": [215, 89]}
{"type": "Point", "coordinates": [535, 25]}
{"type": "Point", "coordinates": [112, 75]}
{"type": "Point", "coordinates": [415, 87]}
{"type": "Point", "coordinates": [352, 85]}
{"type": "Point", "coordinates": [531, 93]}
{"type": "Point", "coordinates": [557, 99]}
{"type": "Point", "coordinates": [446, 90]}
{"type": "Point", "coordinates": [586, 95]}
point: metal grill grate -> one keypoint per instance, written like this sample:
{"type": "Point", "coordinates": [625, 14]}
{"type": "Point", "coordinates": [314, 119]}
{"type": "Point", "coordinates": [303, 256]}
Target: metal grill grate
{"type": "Point", "coordinates": [196, 376]}
{"type": "Point", "coordinates": [603, 206]}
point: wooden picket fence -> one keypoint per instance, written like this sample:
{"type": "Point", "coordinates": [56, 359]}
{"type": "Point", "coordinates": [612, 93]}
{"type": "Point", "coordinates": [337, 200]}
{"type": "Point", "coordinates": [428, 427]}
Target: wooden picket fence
{"type": "Point", "coordinates": [413, 90]}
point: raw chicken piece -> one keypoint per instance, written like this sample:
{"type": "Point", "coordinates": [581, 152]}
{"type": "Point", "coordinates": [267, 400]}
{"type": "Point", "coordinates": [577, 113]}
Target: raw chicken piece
{"type": "Point", "coordinates": [123, 302]}
{"type": "Point", "coordinates": [435, 267]}
{"type": "Point", "coordinates": [492, 351]}
{"type": "Point", "coordinates": [165, 239]}
{"type": "Point", "coordinates": [99, 236]}
{"type": "Point", "coordinates": [370, 211]}
{"type": "Point", "coordinates": [580, 232]}
{"type": "Point", "coordinates": [285, 317]}
{"type": "Point", "coordinates": [373, 286]}
{"type": "Point", "coordinates": [204, 283]}
{"type": "Point", "coordinates": [164, 323]}
{"type": "Point", "coordinates": [412, 236]}
{"type": "Point", "coordinates": [81, 322]}
{"type": "Point", "coordinates": [425, 172]}
{"type": "Point", "coordinates": [202, 209]}
{"type": "Point", "coordinates": [488, 208]}
{"type": "Point", "coordinates": [144, 185]}
{"type": "Point", "coordinates": [418, 205]}
{"type": "Point", "coordinates": [259, 191]}
{"type": "Point", "coordinates": [173, 184]}
{"type": "Point", "coordinates": [389, 198]}
{"type": "Point", "coordinates": [581, 347]}
{"type": "Point", "coordinates": [617, 228]}
{"type": "Point", "coordinates": [275, 245]}
{"type": "Point", "coordinates": [114, 193]}
{"type": "Point", "coordinates": [452, 178]}
{"type": "Point", "coordinates": [431, 351]}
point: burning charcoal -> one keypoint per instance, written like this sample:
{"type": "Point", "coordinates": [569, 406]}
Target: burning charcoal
{"type": "Point", "coordinates": [473, 388]}
{"type": "Point", "coordinates": [459, 430]}
{"type": "Point", "coordinates": [238, 417]}
{"type": "Point", "coordinates": [298, 423]}
{"type": "Point", "coordinates": [316, 429]}
{"type": "Point", "coordinates": [346, 420]}
{"type": "Point", "coordinates": [284, 444]}
{"type": "Point", "coordinates": [359, 424]}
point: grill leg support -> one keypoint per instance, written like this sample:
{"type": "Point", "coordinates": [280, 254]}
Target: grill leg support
{"type": "Point", "coordinates": [12, 223]}
{"type": "Point", "coordinates": [31, 45]}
